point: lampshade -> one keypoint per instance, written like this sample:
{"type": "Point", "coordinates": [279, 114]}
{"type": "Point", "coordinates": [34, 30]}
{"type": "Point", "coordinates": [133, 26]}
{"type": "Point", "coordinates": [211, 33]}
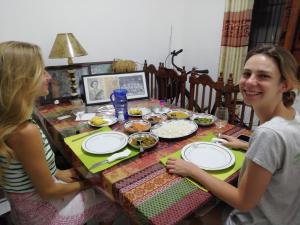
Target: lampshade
{"type": "Point", "coordinates": [66, 46]}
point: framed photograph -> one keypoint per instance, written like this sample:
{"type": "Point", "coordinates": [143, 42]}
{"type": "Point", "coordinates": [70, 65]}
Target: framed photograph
{"type": "Point", "coordinates": [59, 87]}
{"type": "Point", "coordinates": [98, 88]}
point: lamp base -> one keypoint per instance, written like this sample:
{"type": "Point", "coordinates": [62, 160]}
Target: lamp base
{"type": "Point", "coordinates": [73, 84]}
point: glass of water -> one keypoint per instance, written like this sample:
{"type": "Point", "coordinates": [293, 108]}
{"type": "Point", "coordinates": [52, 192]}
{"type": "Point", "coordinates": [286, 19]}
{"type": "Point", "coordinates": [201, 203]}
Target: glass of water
{"type": "Point", "coordinates": [222, 116]}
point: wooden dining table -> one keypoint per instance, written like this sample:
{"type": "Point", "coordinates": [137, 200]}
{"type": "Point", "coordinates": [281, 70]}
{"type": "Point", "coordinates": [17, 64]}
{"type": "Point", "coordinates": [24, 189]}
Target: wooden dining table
{"type": "Point", "coordinates": [141, 185]}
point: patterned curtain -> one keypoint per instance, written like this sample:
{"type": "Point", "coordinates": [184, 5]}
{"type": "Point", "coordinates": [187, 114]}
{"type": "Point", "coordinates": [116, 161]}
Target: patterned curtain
{"type": "Point", "coordinates": [235, 37]}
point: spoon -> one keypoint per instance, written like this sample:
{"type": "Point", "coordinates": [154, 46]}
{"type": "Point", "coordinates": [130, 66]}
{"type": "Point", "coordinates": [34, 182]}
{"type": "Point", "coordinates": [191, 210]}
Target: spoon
{"type": "Point", "coordinates": [139, 142]}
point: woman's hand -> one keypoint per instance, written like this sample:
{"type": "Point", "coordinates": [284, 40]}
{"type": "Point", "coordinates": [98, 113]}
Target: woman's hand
{"type": "Point", "coordinates": [67, 176]}
{"type": "Point", "coordinates": [181, 167]}
{"type": "Point", "coordinates": [234, 142]}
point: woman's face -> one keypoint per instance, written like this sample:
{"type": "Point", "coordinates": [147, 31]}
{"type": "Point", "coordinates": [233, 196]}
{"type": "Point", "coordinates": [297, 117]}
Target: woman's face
{"type": "Point", "coordinates": [44, 91]}
{"type": "Point", "coordinates": [260, 83]}
{"type": "Point", "coordinates": [94, 84]}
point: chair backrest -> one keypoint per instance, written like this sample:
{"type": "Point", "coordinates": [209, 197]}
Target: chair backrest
{"type": "Point", "coordinates": [166, 84]}
{"type": "Point", "coordinates": [239, 113]}
{"type": "Point", "coordinates": [152, 85]}
{"type": "Point", "coordinates": [205, 94]}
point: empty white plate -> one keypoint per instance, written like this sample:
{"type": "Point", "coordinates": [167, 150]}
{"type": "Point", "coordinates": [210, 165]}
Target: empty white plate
{"type": "Point", "coordinates": [105, 142]}
{"type": "Point", "coordinates": [208, 156]}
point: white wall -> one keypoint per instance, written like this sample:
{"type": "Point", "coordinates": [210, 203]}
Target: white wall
{"type": "Point", "coordinates": [202, 34]}
{"type": "Point", "coordinates": [126, 29]}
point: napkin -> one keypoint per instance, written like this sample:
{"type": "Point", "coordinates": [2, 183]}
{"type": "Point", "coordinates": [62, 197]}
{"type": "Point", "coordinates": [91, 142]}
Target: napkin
{"type": "Point", "coordinates": [220, 174]}
{"type": "Point", "coordinates": [89, 159]}
{"type": "Point", "coordinates": [84, 116]}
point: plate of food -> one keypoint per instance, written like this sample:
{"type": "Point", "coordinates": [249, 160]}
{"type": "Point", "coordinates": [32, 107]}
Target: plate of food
{"type": "Point", "coordinates": [144, 139]}
{"type": "Point", "coordinates": [203, 119]}
{"type": "Point", "coordinates": [155, 118]}
{"type": "Point", "coordinates": [179, 114]}
{"type": "Point", "coordinates": [134, 126]}
{"type": "Point", "coordinates": [208, 156]}
{"type": "Point", "coordinates": [171, 129]}
{"type": "Point", "coordinates": [101, 121]}
{"type": "Point", "coordinates": [138, 111]}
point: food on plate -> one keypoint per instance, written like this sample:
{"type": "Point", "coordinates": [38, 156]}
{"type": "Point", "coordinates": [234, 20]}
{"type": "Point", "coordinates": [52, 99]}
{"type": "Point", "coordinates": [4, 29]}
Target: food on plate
{"type": "Point", "coordinates": [154, 118]}
{"type": "Point", "coordinates": [145, 141]}
{"type": "Point", "coordinates": [178, 115]}
{"type": "Point", "coordinates": [97, 121]}
{"type": "Point", "coordinates": [137, 126]}
{"type": "Point", "coordinates": [174, 128]}
{"type": "Point", "coordinates": [135, 112]}
{"type": "Point", "coordinates": [203, 120]}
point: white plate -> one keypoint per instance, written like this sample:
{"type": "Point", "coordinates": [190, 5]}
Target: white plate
{"type": "Point", "coordinates": [208, 156]}
{"type": "Point", "coordinates": [143, 109]}
{"type": "Point", "coordinates": [105, 142]}
{"type": "Point", "coordinates": [161, 110]}
{"type": "Point", "coordinates": [110, 121]}
{"type": "Point", "coordinates": [174, 128]}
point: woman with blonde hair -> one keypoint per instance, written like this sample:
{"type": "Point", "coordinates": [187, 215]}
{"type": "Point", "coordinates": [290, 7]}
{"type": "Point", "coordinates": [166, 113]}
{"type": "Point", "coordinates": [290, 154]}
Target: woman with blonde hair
{"type": "Point", "coordinates": [268, 190]}
{"type": "Point", "coordinates": [38, 192]}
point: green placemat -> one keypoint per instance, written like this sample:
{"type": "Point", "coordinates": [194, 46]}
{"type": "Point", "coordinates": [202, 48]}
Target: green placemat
{"type": "Point", "coordinates": [89, 159]}
{"type": "Point", "coordinates": [220, 174]}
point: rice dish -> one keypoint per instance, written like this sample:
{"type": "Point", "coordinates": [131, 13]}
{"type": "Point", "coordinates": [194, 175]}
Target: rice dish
{"type": "Point", "coordinates": [175, 128]}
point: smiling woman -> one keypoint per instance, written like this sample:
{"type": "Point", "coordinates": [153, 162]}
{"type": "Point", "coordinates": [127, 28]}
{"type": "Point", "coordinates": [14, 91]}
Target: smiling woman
{"type": "Point", "coordinates": [272, 159]}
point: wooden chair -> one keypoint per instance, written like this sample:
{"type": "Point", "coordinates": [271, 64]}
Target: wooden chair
{"type": "Point", "coordinates": [239, 113]}
{"type": "Point", "coordinates": [166, 84]}
{"type": "Point", "coordinates": [152, 85]}
{"type": "Point", "coordinates": [205, 94]}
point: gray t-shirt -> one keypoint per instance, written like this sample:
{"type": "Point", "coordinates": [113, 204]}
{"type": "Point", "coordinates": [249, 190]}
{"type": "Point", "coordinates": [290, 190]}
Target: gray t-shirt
{"type": "Point", "coordinates": [275, 146]}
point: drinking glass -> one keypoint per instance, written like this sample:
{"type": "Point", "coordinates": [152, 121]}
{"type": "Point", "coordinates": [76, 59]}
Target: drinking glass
{"type": "Point", "coordinates": [222, 117]}
{"type": "Point", "coordinates": [79, 114]}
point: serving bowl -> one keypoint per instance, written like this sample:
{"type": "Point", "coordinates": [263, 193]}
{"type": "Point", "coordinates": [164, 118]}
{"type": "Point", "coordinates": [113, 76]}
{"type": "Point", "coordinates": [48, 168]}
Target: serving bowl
{"type": "Point", "coordinates": [134, 126]}
{"type": "Point", "coordinates": [178, 114]}
{"type": "Point", "coordinates": [155, 118]}
{"type": "Point", "coordinates": [146, 139]}
{"type": "Point", "coordinates": [203, 119]}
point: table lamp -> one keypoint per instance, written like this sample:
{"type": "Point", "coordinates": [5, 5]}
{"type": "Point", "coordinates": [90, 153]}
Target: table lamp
{"type": "Point", "coordinates": [67, 46]}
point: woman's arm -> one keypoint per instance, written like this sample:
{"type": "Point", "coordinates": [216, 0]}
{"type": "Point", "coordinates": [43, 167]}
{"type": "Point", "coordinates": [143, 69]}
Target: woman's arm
{"type": "Point", "coordinates": [234, 142]}
{"type": "Point", "coordinates": [27, 145]}
{"type": "Point", "coordinates": [251, 187]}
{"type": "Point", "coordinates": [67, 176]}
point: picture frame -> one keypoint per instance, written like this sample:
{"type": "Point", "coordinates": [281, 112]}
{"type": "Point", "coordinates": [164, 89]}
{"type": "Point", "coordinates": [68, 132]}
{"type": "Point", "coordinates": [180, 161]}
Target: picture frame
{"type": "Point", "coordinates": [59, 88]}
{"type": "Point", "coordinates": [99, 68]}
{"type": "Point", "coordinates": [98, 88]}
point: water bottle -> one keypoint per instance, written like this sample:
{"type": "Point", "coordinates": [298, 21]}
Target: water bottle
{"type": "Point", "coordinates": [119, 101]}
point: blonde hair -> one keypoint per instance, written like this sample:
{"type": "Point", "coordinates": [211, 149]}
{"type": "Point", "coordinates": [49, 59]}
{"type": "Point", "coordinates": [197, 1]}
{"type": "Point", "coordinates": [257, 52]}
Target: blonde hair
{"type": "Point", "coordinates": [21, 70]}
{"type": "Point", "coordinates": [287, 66]}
